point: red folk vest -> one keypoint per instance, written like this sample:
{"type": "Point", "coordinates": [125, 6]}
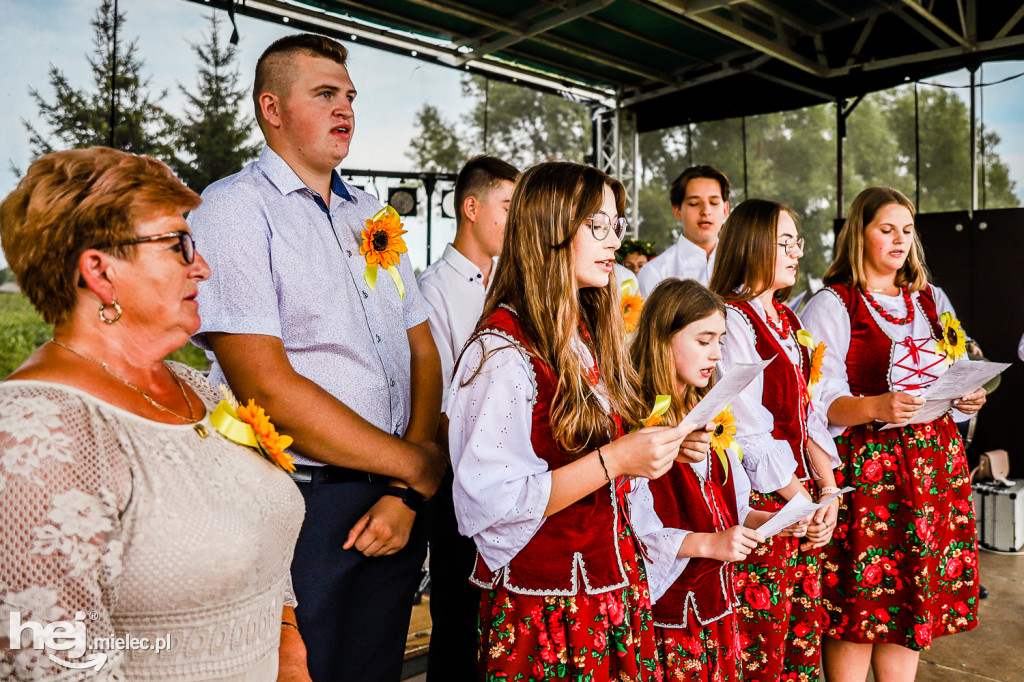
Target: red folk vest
{"type": "Point", "coordinates": [785, 400]}
{"type": "Point", "coordinates": [575, 550]}
{"type": "Point", "coordinates": [684, 500]}
{"type": "Point", "coordinates": [871, 350]}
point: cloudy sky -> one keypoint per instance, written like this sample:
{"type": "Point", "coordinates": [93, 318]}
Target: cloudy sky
{"type": "Point", "coordinates": [37, 33]}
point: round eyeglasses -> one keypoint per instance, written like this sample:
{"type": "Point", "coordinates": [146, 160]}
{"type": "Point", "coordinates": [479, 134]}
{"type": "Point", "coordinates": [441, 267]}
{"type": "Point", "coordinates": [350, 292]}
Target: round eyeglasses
{"type": "Point", "coordinates": [186, 243]}
{"type": "Point", "coordinates": [601, 224]}
{"type": "Point", "coordinates": [792, 244]}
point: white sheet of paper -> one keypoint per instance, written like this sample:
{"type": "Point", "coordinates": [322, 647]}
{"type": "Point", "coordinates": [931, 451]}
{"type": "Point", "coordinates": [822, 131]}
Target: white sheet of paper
{"type": "Point", "coordinates": [962, 378]}
{"type": "Point", "coordinates": [797, 508]}
{"type": "Point", "coordinates": [724, 391]}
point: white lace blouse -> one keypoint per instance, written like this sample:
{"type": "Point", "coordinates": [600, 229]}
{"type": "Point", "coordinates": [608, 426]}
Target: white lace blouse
{"type": "Point", "coordinates": [501, 486]}
{"type": "Point", "coordinates": [769, 462]}
{"type": "Point", "coordinates": [912, 363]}
{"type": "Point", "coordinates": [145, 528]}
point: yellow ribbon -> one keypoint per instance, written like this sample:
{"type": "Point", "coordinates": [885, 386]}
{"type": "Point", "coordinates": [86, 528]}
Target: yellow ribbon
{"type": "Point", "coordinates": [370, 276]}
{"type": "Point", "coordinates": [804, 338]}
{"type": "Point", "coordinates": [627, 288]}
{"type": "Point", "coordinates": [661, 405]}
{"type": "Point", "coordinates": [225, 420]}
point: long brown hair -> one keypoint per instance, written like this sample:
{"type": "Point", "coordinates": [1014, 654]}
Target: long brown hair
{"type": "Point", "coordinates": [747, 249]}
{"type": "Point", "coordinates": [535, 276]}
{"type": "Point", "coordinates": [673, 305]}
{"type": "Point", "coordinates": [848, 266]}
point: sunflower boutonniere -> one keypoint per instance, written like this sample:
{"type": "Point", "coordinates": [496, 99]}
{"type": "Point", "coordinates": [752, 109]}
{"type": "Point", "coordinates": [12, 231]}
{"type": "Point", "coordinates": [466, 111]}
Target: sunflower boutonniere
{"type": "Point", "coordinates": [953, 342]}
{"type": "Point", "coordinates": [722, 438]}
{"type": "Point", "coordinates": [805, 339]}
{"type": "Point", "coordinates": [632, 304]}
{"type": "Point", "coordinates": [250, 426]}
{"type": "Point", "coordinates": [383, 245]}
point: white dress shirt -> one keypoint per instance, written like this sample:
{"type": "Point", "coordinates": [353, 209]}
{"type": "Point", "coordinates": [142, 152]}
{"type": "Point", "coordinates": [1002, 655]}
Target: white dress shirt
{"type": "Point", "coordinates": [682, 260]}
{"type": "Point", "coordinates": [827, 319]}
{"type": "Point", "coordinates": [769, 462]}
{"type": "Point", "coordinates": [501, 486]}
{"type": "Point", "coordinates": [454, 290]}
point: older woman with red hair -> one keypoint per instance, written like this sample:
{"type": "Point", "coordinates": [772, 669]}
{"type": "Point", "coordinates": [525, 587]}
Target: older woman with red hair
{"type": "Point", "coordinates": [127, 514]}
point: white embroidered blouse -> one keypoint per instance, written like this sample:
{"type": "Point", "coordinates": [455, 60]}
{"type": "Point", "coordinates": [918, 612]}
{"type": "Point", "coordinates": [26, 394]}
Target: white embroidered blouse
{"type": "Point", "coordinates": [501, 486]}
{"type": "Point", "coordinates": [769, 462]}
{"type": "Point", "coordinates": [145, 528]}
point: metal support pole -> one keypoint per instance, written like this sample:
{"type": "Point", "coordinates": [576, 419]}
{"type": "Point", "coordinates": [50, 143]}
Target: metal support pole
{"type": "Point", "coordinates": [974, 148]}
{"type": "Point", "coordinates": [113, 84]}
{"type": "Point", "coordinates": [917, 151]}
{"type": "Point", "coordinates": [840, 134]}
{"type": "Point", "coordinates": [428, 184]}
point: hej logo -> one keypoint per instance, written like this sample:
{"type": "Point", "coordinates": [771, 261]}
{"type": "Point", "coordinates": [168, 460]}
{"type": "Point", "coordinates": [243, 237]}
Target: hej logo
{"type": "Point", "coordinates": [61, 635]}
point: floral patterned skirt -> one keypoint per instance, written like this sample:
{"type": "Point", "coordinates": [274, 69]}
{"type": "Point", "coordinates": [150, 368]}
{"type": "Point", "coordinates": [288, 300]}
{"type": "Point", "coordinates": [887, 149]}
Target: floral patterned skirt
{"type": "Point", "coordinates": [780, 614]}
{"type": "Point", "coordinates": [587, 638]}
{"type": "Point", "coordinates": [902, 567]}
{"type": "Point", "coordinates": [696, 653]}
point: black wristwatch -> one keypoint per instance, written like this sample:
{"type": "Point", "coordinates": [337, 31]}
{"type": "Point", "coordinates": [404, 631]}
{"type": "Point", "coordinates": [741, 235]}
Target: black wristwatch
{"type": "Point", "coordinates": [413, 500]}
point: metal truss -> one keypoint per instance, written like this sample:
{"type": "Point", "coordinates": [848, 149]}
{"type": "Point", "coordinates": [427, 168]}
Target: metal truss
{"type": "Point", "coordinates": [617, 153]}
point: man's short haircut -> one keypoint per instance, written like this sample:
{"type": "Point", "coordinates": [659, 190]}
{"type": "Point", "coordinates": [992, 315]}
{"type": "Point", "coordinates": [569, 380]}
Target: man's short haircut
{"type": "Point", "coordinates": [678, 193]}
{"type": "Point", "coordinates": [480, 175]}
{"type": "Point", "coordinates": [274, 72]}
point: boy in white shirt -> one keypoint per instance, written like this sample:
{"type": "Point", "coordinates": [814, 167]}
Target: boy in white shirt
{"type": "Point", "coordinates": [455, 287]}
{"type": "Point", "coordinates": [700, 201]}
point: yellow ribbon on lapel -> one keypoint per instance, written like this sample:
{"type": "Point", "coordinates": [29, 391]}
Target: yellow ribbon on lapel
{"type": "Point", "coordinates": [225, 420]}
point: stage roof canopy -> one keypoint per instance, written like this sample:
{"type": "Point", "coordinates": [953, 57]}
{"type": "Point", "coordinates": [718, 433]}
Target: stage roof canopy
{"type": "Point", "coordinates": [674, 61]}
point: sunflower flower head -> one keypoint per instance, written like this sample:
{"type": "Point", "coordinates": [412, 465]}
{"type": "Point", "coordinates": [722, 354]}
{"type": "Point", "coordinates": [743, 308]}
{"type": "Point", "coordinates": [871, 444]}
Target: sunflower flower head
{"type": "Point", "coordinates": [632, 305]}
{"type": "Point", "coordinates": [272, 445]}
{"type": "Point", "coordinates": [382, 242]}
{"type": "Point", "coordinates": [725, 429]}
{"type": "Point", "coordinates": [953, 342]}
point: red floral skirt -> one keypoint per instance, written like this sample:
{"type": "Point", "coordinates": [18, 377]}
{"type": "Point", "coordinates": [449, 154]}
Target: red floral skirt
{"type": "Point", "coordinates": [780, 614]}
{"type": "Point", "coordinates": [599, 638]}
{"type": "Point", "coordinates": [902, 567]}
{"type": "Point", "coordinates": [697, 653]}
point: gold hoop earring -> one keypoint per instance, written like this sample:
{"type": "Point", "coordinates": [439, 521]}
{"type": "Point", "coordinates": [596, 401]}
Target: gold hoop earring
{"type": "Point", "coordinates": [115, 318]}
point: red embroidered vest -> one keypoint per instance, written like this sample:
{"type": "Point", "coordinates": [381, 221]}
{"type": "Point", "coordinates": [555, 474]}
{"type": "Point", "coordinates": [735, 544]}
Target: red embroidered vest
{"type": "Point", "coordinates": [786, 397]}
{"type": "Point", "coordinates": [575, 550]}
{"type": "Point", "coordinates": [871, 350]}
{"type": "Point", "coordinates": [684, 500]}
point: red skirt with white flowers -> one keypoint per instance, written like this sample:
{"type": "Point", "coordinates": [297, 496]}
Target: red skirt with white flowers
{"type": "Point", "coordinates": [696, 653]}
{"type": "Point", "coordinates": [602, 637]}
{"type": "Point", "coordinates": [902, 567]}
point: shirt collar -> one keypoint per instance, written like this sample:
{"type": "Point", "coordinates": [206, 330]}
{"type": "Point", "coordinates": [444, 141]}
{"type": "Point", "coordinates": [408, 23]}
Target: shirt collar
{"type": "Point", "coordinates": [462, 265]}
{"type": "Point", "coordinates": [286, 181]}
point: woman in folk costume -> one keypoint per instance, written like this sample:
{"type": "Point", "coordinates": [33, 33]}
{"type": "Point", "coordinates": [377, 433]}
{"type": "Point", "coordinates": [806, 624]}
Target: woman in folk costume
{"type": "Point", "coordinates": [676, 349]}
{"type": "Point", "coordinates": [902, 566]}
{"type": "Point", "coordinates": [539, 403]}
{"type": "Point", "coordinates": [787, 450]}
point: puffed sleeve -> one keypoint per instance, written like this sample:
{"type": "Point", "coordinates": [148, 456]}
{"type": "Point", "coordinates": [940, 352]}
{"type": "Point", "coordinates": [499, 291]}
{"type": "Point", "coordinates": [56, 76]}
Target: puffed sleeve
{"type": "Point", "coordinates": [769, 463]}
{"type": "Point", "coordinates": [63, 489]}
{"type": "Point", "coordinates": [663, 564]}
{"type": "Point", "coordinates": [825, 317]}
{"type": "Point", "coordinates": [501, 487]}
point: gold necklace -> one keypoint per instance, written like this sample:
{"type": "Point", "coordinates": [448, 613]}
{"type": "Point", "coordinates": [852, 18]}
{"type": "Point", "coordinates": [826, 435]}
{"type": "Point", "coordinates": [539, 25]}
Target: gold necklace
{"type": "Point", "coordinates": [191, 418]}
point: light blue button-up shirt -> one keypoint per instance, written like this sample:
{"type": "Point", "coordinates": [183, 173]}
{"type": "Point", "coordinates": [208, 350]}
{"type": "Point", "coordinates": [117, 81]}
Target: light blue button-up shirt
{"type": "Point", "coordinates": [285, 265]}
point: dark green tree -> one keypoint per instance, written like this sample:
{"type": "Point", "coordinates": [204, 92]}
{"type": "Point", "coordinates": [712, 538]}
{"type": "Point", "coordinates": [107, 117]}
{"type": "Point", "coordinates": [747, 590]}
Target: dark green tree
{"type": "Point", "coordinates": [213, 138]}
{"type": "Point", "coordinates": [81, 117]}
{"type": "Point", "coordinates": [436, 147]}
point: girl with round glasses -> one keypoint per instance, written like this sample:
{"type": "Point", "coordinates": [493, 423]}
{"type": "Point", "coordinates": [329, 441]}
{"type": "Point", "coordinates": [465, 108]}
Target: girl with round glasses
{"type": "Point", "coordinates": [786, 448]}
{"type": "Point", "coordinates": [540, 403]}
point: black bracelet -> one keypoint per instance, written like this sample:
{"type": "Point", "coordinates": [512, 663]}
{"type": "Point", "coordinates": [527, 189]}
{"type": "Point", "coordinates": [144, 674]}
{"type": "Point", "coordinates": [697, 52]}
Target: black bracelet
{"type": "Point", "coordinates": [285, 623]}
{"type": "Point", "coordinates": [601, 460]}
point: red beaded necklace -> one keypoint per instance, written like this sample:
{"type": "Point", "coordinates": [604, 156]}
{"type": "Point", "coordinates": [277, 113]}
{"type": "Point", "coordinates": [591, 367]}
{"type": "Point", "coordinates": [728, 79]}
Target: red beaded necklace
{"type": "Point", "coordinates": [780, 309]}
{"type": "Point", "coordinates": [885, 315]}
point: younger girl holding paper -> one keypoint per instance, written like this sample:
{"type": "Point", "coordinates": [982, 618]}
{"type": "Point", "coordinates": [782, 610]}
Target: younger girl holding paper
{"type": "Point", "coordinates": [781, 438]}
{"type": "Point", "coordinates": [902, 568]}
{"type": "Point", "coordinates": [537, 406]}
{"type": "Point", "coordinates": [675, 352]}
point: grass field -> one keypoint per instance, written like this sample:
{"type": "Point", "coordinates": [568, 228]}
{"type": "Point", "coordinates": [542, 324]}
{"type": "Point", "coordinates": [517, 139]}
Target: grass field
{"type": "Point", "coordinates": [22, 331]}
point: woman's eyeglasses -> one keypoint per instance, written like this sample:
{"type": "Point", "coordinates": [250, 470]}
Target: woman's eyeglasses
{"type": "Point", "coordinates": [601, 225]}
{"type": "Point", "coordinates": [186, 243]}
{"type": "Point", "coordinates": [790, 244]}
